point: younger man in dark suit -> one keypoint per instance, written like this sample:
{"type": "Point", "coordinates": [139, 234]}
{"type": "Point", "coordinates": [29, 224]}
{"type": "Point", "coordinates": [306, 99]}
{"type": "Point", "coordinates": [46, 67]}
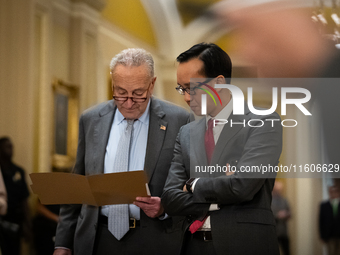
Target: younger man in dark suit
{"type": "Point", "coordinates": [227, 212]}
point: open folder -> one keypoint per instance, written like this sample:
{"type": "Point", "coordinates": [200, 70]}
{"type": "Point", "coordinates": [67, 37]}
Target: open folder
{"type": "Point", "coordinates": [97, 190]}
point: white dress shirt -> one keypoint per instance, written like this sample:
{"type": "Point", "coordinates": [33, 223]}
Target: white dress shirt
{"type": "Point", "coordinates": [223, 114]}
{"type": "Point", "coordinates": [137, 149]}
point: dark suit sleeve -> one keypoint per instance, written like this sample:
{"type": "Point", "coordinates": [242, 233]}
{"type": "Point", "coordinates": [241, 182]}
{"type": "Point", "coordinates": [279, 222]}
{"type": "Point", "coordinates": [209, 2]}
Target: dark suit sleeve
{"type": "Point", "coordinates": [262, 148]}
{"type": "Point", "coordinates": [174, 199]}
{"type": "Point", "coordinates": [68, 215]}
{"type": "Point", "coordinates": [325, 221]}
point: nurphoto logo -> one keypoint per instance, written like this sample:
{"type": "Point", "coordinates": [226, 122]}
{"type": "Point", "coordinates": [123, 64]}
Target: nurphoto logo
{"type": "Point", "coordinates": [238, 103]}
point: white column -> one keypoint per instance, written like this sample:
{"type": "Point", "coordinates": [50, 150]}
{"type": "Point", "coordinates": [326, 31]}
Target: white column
{"type": "Point", "coordinates": [84, 53]}
{"type": "Point", "coordinates": [17, 90]}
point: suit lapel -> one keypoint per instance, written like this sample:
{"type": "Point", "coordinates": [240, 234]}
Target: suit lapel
{"type": "Point", "coordinates": [197, 132]}
{"type": "Point", "coordinates": [156, 135]}
{"type": "Point", "coordinates": [101, 135]}
{"type": "Point", "coordinates": [229, 132]}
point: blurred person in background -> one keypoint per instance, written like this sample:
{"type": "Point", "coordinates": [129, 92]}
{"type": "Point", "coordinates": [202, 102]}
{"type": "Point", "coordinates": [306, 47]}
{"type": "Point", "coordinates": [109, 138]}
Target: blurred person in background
{"type": "Point", "coordinates": [281, 211]}
{"type": "Point", "coordinates": [3, 196]}
{"type": "Point", "coordinates": [15, 223]}
{"type": "Point", "coordinates": [329, 221]}
{"type": "Point", "coordinates": [277, 38]}
{"type": "Point", "coordinates": [281, 41]}
{"type": "Point", "coordinates": [3, 203]}
{"type": "Point", "coordinates": [44, 228]}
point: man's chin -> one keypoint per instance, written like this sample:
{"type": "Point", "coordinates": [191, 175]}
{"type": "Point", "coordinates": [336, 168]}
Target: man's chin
{"type": "Point", "coordinates": [130, 115]}
{"type": "Point", "coordinates": [196, 110]}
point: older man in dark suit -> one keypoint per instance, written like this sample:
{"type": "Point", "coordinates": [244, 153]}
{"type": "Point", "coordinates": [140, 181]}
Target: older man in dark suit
{"type": "Point", "coordinates": [228, 212]}
{"type": "Point", "coordinates": [134, 131]}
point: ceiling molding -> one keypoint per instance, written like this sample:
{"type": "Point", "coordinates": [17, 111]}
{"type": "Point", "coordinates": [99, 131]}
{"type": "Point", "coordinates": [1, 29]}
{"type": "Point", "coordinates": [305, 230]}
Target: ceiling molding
{"type": "Point", "coordinates": [166, 23]}
{"type": "Point", "coordinates": [114, 32]}
{"type": "Point", "coordinates": [96, 4]}
{"type": "Point", "coordinates": [85, 12]}
{"type": "Point", "coordinates": [173, 37]}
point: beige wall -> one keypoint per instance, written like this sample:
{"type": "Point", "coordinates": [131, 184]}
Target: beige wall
{"type": "Point", "coordinates": [18, 92]}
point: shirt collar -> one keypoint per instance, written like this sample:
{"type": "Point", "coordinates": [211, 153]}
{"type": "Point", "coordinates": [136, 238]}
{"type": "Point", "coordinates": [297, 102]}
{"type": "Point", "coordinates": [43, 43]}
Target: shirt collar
{"type": "Point", "coordinates": [223, 114]}
{"type": "Point", "coordinates": [144, 118]}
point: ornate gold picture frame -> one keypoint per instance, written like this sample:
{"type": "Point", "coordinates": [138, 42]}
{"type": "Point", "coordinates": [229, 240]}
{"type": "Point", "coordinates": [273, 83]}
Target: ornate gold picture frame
{"type": "Point", "coordinates": [65, 135]}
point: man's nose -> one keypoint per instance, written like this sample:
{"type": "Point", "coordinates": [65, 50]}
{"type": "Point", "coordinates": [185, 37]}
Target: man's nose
{"type": "Point", "coordinates": [187, 98]}
{"type": "Point", "coordinates": [129, 103]}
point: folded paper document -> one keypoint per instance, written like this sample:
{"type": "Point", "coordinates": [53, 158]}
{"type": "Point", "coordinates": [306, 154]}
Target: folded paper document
{"type": "Point", "coordinates": [97, 190]}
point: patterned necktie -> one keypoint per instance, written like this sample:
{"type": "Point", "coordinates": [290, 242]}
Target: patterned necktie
{"type": "Point", "coordinates": [118, 223]}
{"type": "Point", "coordinates": [209, 140]}
{"type": "Point", "coordinates": [196, 225]}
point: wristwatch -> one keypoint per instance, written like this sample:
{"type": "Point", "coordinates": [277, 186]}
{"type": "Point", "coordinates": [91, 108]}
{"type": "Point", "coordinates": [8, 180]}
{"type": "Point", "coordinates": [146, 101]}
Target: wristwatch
{"type": "Point", "coordinates": [189, 183]}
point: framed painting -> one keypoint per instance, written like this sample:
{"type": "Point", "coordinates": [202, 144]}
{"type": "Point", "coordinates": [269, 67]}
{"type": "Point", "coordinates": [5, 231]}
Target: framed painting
{"type": "Point", "coordinates": [65, 135]}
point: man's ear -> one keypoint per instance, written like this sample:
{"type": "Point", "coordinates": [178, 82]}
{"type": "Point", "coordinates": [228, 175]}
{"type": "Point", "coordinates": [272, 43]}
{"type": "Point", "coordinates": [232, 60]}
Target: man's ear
{"type": "Point", "coordinates": [152, 85]}
{"type": "Point", "coordinates": [112, 85]}
{"type": "Point", "coordinates": [219, 80]}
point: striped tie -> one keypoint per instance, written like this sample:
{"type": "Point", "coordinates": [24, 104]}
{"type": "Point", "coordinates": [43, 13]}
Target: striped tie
{"type": "Point", "coordinates": [118, 223]}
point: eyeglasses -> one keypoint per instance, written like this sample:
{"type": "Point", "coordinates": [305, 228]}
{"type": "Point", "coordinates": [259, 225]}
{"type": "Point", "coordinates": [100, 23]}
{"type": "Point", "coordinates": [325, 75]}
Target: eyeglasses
{"type": "Point", "coordinates": [133, 99]}
{"type": "Point", "coordinates": [191, 91]}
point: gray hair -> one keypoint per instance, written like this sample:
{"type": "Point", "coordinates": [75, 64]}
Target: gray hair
{"type": "Point", "coordinates": [133, 57]}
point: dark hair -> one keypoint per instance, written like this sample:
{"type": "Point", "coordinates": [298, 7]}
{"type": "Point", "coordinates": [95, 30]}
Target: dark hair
{"type": "Point", "coordinates": [4, 139]}
{"type": "Point", "coordinates": [215, 60]}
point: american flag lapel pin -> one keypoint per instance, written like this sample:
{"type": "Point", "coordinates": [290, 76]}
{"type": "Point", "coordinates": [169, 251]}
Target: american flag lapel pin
{"type": "Point", "coordinates": [163, 127]}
